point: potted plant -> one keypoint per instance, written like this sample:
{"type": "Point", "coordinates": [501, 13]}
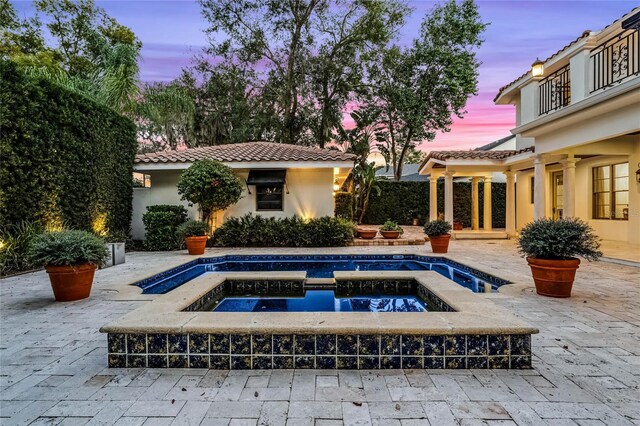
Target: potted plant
{"type": "Point", "coordinates": [391, 230]}
{"type": "Point", "coordinates": [551, 247]}
{"type": "Point", "coordinates": [457, 225]}
{"type": "Point", "coordinates": [70, 258]}
{"type": "Point", "coordinates": [194, 234]}
{"type": "Point", "coordinates": [438, 233]}
{"type": "Point", "coordinates": [366, 234]}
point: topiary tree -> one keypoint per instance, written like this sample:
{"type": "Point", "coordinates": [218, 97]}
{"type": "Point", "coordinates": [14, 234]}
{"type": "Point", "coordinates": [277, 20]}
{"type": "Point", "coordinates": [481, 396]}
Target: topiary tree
{"type": "Point", "coordinates": [211, 185]}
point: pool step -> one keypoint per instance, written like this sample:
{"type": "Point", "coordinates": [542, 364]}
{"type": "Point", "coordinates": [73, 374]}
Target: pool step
{"type": "Point", "coordinates": [319, 282]}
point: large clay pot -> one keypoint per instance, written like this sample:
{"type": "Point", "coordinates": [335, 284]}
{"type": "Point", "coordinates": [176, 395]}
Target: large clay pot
{"type": "Point", "coordinates": [439, 243]}
{"type": "Point", "coordinates": [457, 226]}
{"type": "Point", "coordinates": [196, 245]}
{"type": "Point", "coordinates": [72, 282]}
{"type": "Point", "coordinates": [367, 234]}
{"type": "Point", "coordinates": [553, 277]}
{"type": "Point", "coordinates": [390, 235]}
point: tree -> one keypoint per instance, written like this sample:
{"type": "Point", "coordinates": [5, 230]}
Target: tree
{"type": "Point", "coordinates": [415, 91]}
{"type": "Point", "coordinates": [211, 185]}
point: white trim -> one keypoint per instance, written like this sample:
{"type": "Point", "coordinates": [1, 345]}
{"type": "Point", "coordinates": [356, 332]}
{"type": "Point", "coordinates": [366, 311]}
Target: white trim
{"type": "Point", "coordinates": [141, 167]}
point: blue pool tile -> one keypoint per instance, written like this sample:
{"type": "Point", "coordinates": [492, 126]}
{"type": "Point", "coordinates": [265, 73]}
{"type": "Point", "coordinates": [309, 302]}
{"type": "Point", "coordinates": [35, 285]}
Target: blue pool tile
{"type": "Point", "coordinates": [157, 343]}
{"type": "Point", "coordinates": [136, 361]}
{"type": "Point", "coordinates": [198, 361]}
{"type": "Point", "coordinates": [305, 344]}
{"type": "Point", "coordinates": [369, 344]}
{"type": "Point", "coordinates": [136, 344]}
{"type": "Point", "coordinates": [478, 362]}
{"type": "Point", "coordinates": [390, 362]}
{"type": "Point", "coordinates": [455, 362]}
{"type": "Point", "coordinates": [368, 362]}
{"type": "Point", "coordinates": [240, 362]}
{"type": "Point", "coordinates": [304, 362]}
{"type": "Point", "coordinates": [261, 344]}
{"type": "Point", "coordinates": [198, 343]}
{"type": "Point", "coordinates": [117, 343]}
{"type": "Point", "coordinates": [282, 362]}
{"type": "Point", "coordinates": [178, 343]}
{"type": "Point", "coordinates": [454, 345]}
{"type": "Point", "coordinates": [434, 362]}
{"type": "Point", "coordinates": [412, 345]}
{"type": "Point", "coordinates": [326, 362]}
{"type": "Point", "coordinates": [347, 345]}
{"type": "Point", "coordinates": [520, 344]}
{"type": "Point", "coordinates": [390, 345]}
{"type": "Point", "coordinates": [498, 362]}
{"type": "Point", "coordinates": [283, 344]}
{"type": "Point", "coordinates": [347, 362]}
{"type": "Point", "coordinates": [240, 344]}
{"type": "Point", "coordinates": [261, 362]}
{"type": "Point", "coordinates": [520, 362]}
{"type": "Point", "coordinates": [219, 362]}
{"type": "Point", "coordinates": [218, 343]}
{"type": "Point", "coordinates": [433, 345]}
{"type": "Point", "coordinates": [178, 361]}
{"type": "Point", "coordinates": [326, 344]}
{"type": "Point", "coordinates": [412, 362]}
{"type": "Point", "coordinates": [499, 345]}
{"type": "Point", "coordinates": [157, 361]}
{"type": "Point", "coordinates": [477, 345]}
{"type": "Point", "coordinates": [117, 361]}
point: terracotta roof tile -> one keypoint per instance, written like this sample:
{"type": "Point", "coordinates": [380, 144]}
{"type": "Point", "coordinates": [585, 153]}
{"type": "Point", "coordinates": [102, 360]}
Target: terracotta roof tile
{"type": "Point", "coordinates": [473, 155]}
{"type": "Point", "coordinates": [248, 151]}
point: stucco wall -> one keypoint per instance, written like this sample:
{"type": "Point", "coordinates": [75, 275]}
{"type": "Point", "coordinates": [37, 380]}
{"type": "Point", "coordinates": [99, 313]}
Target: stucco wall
{"type": "Point", "coordinates": [310, 195]}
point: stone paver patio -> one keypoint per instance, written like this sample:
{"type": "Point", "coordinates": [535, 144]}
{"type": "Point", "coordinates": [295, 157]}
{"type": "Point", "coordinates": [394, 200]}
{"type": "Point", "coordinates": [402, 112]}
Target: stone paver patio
{"type": "Point", "coordinates": [586, 361]}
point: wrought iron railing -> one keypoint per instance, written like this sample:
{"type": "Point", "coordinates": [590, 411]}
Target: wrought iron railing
{"type": "Point", "coordinates": [615, 60]}
{"type": "Point", "coordinates": [555, 91]}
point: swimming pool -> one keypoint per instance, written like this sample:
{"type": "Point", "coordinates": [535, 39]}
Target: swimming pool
{"type": "Point", "coordinates": [321, 266]}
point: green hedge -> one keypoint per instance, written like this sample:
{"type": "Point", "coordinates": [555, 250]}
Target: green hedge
{"type": "Point", "coordinates": [403, 201]}
{"type": "Point", "coordinates": [65, 159]}
{"type": "Point", "coordinates": [161, 223]}
{"type": "Point", "coordinates": [259, 231]}
{"type": "Point", "coordinates": [343, 205]}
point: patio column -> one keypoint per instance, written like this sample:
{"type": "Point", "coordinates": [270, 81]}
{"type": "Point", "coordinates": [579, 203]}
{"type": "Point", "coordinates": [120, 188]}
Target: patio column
{"type": "Point", "coordinates": [487, 203]}
{"type": "Point", "coordinates": [510, 217]}
{"type": "Point", "coordinates": [539, 207]}
{"type": "Point", "coordinates": [568, 186]}
{"type": "Point", "coordinates": [475, 204]}
{"type": "Point", "coordinates": [448, 196]}
{"type": "Point", "coordinates": [433, 197]}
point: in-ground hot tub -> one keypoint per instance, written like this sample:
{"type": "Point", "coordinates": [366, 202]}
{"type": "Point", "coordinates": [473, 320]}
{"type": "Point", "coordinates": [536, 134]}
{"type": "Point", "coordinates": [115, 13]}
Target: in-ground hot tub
{"type": "Point", "coordinates": [459, 330]}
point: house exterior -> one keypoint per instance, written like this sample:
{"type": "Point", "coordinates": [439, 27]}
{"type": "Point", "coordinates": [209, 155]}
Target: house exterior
{"type": "Point", "coordinates": [280, 180]}
{"type": "Point", "coordinates": [577, 138]}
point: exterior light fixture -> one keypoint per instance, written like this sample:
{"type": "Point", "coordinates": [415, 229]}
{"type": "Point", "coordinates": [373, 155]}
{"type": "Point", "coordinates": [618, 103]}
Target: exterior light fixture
{"type": "Point", "coordinates": [537, 68]}
{"type": "Point", "coordinates": [336, 185]}
{"type": "Point", "coordinates": [638, 174]}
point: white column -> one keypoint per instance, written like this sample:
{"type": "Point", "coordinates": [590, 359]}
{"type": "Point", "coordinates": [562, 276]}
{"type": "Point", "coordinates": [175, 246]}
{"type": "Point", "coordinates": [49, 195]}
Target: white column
{"type": "Point", "coordinates": [487, 203]}
{"type": "Point", "coordinates": [510, 217]}
{"type": "Point", "coordinates": [433, 197]}
{"type": "Point", "coordinates": [475, 204]}
{"type": "Point", "coordinates": [540, 175]}
{"type": "Point", "coordinates": [568, 186]}
{"type": "Point", "coordinates": [448, 196]}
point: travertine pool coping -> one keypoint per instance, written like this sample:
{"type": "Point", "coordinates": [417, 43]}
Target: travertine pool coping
{"type": "Point", "coordinates": [475, 313]}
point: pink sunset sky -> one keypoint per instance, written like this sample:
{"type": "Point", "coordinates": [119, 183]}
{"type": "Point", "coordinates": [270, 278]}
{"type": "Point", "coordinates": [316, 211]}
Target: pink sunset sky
{"type": "Point", "coordinates": [519, 31]}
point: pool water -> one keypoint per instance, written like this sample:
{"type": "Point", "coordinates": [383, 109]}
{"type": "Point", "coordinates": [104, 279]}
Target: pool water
{"type": "Point", "coordinates": [320, 301]}
{"type": "Point", "coordinates": [320, 266]}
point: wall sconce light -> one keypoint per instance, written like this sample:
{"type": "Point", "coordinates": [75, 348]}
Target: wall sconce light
{"type": "Point", "coordinates": [336, 186]}
{"type": "Point", "coordinates": [537, 68]}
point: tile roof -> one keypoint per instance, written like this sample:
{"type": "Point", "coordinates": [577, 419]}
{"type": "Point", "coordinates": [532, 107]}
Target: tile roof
{"type": "Point", "coordinates": [248, 151]}
{"type": "Point", "coordinates": [475, 155]}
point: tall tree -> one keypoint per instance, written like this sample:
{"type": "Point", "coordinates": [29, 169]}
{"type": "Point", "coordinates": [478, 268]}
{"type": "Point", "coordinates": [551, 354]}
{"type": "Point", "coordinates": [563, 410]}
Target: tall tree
{"type": "Point", "coordinates": [416, 91]}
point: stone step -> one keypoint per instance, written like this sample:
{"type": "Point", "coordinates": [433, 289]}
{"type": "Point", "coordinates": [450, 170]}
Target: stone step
{"type": "Point", "coordinates": [479, 235]}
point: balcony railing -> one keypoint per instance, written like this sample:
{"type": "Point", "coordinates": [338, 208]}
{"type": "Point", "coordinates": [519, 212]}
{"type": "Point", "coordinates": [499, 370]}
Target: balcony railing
{"type": "Point", "coordinates": [555, 91]}
{"type": "Point", "coordinates": [615, 60]}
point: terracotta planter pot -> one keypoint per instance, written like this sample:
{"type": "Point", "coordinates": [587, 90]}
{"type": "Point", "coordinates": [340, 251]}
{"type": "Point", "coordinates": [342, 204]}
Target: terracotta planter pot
{"type": "Point", "coordinates": [553, 278]}
{"type": "Point", "coordinates": [390, 235]}
{"type": "Point", "coordinates": [439, 243]}
{"type": "Point", "coordinates": [71, 283]}
{"type": "Point", "coordinates": [415, 222]}
{"type": "Point", "coordinates": [196, 245]}
{"type": "Point", "coordinates": [457, 226]}
{"type": "Point", "coordinates": [367, 234]}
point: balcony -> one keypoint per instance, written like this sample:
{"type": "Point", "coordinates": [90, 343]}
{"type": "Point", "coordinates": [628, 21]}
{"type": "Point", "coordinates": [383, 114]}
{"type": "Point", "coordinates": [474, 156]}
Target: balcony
{"type": "Point", "coordinates": [554, 91]}
{"type": "Point", "coordinates": [615, 60]}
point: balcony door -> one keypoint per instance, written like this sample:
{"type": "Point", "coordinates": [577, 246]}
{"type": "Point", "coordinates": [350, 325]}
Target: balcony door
{"type": "Point", "coordinates": [557, 181]}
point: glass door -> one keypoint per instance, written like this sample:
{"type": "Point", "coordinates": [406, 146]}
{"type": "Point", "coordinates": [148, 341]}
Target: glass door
{"type": "Point", "coordinates": [557, 195]}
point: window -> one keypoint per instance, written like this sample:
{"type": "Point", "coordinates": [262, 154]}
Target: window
{"type": "Point", "coordinates": [268, 197]}
{"type": "Point", "coordinates": [532, 188]}
{"type": "Point", "coordinates": [611, 192]}
{"type": "Point", "coordinates": [140, 180]}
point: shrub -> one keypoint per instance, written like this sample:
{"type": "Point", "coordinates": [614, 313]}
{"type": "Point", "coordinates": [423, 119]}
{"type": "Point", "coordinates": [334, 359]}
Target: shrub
{"type": "Point", "coordinates": [192, 228]}
{"type": "Point", "coordinates": [390, 225]}
{"type": "Point", "coordinates": [343, 205]}
{"type": "Point", "coordinates": [559, 239]}
{"type": "Point", "coordinates": [15, 242]}
{"type": "Point", "coordinates": [258, 231]}
{"type": "Point", "coordinates": [211, 185]}
{"type": "Point", "coordinates": [160, 224]}
{"type": "Point", "coordinates": [67, 248]}
{"type": "Point", "coordinates": [63, 158]}
{"type": "Point", "coordinates": [438, 227]}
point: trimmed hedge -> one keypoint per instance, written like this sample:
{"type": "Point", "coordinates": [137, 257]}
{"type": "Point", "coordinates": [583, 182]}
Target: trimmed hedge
{"type": "Point", "coordinates": [402, 201]}
{"type": "Point", "coordinates": [343, 205]}
{"type": "Point", "coordinates": [160, 224]}
{"type": "Point", "coordinates": [259, 231]}
{"type": "Point", "coordinates": [65, 159]}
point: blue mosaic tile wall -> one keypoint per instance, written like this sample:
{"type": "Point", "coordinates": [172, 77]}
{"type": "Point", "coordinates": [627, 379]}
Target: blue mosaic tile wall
{"type": "Point", "coordinates": [320, 351]}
